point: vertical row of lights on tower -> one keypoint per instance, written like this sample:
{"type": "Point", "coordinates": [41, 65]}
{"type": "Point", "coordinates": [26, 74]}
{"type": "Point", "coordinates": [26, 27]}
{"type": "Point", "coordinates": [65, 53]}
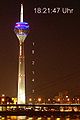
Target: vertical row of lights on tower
{"type": "Point", "coordinates": [33, 72]}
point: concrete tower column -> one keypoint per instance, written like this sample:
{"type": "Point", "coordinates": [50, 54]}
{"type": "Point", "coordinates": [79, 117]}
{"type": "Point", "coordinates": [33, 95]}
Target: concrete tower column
{"type": "Point", "coordinates": [21, 75]}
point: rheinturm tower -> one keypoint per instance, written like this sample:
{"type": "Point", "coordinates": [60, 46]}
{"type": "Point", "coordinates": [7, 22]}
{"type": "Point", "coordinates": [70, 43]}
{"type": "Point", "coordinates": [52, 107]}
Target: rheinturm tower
{"type": "Point", "coordinates": [21, 30]}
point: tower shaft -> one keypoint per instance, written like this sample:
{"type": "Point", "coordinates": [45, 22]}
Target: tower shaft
{"type": "Point", "coordinates": [21, 74]}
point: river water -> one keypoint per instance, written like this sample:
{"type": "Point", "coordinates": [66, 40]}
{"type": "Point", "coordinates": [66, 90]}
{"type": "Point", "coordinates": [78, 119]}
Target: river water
{"type": "Point", "coordinates": [39, 118]}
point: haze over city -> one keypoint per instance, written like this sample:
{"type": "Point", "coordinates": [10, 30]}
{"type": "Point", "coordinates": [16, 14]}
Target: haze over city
{"type": "Point", "coordinates": [56, 40]}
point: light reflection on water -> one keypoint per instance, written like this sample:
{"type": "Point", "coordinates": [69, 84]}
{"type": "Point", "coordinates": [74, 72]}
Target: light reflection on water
{"type": "Point", "coordinates": [38, 118]}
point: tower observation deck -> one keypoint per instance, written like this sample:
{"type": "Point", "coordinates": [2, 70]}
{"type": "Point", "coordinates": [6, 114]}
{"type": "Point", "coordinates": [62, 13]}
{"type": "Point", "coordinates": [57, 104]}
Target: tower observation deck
{"type": "Point", "coordinates": [21, 30]}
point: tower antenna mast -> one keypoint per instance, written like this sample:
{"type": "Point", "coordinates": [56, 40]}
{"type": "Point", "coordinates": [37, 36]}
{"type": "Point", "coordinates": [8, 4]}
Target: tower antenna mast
{"type": "Point", "coordinates": [21, 13]}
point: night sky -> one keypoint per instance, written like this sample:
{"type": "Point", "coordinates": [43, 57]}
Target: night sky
{"type": "Point", "coordinates": [57, 48]}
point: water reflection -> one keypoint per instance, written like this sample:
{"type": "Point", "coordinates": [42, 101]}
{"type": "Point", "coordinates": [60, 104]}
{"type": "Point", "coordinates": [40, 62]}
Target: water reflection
{"type": "Point", "coordinates": [21, 117]}
{"type": "Point", "coordinates": [57, 118]}
{"type": "Point", "coordinates": [30, 118]}
{"type": "Point", "coordinates": [38, 118]}
{"type": "Point", "coordinates": [67, 118]}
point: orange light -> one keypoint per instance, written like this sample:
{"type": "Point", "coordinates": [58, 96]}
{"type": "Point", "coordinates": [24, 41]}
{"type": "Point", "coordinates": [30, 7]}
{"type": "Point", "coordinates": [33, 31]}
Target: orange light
{"type": "Point", "coordinates": [48, 99]}
{"type": "Point", "coordinates": [39, 99]}
{"type": "Point", "coordinates": [2, 99]}
{"type": "Point", "coordinates": [58, 99]}
{"type": "Point", "coordinates": [68, 99]}
{"type": "Point", "coordinates": [3, 95]}
{"type": "Point", "coordinates": [30, 99]}
{"type": "Point", "coordinates": [78, 99]}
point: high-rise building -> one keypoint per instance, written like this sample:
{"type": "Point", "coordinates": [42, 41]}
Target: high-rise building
{"type": "Point", "coordinates": [21, 30]}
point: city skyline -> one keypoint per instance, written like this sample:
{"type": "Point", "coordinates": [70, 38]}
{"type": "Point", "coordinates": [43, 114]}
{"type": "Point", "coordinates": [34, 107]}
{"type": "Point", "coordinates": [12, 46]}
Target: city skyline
{"type": "Point", "coordinates": [57, 48]}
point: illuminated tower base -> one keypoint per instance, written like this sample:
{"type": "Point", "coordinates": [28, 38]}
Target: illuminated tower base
{"type": "Point", "coordinates": [21, 29]}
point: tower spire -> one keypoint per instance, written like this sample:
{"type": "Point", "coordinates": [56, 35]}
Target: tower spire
{"type": "Point", "coordinates": [21, 13]}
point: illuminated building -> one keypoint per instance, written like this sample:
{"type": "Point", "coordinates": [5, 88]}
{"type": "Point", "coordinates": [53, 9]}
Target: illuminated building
{"type": "Point", "coordinates": [21, 30]}
{"type": "Point", "coordinates": [14, 100]}
{"type": "Point", "coordinates": [5, 99]}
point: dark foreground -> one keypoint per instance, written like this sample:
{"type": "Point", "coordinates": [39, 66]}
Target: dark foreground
{"type": "Point", "coordinates": [32, 113]}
